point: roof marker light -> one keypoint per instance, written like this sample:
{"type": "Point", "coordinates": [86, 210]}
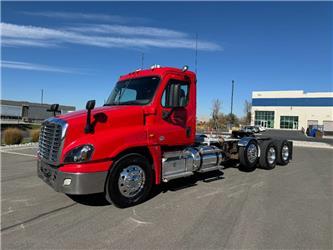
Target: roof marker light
{"type": "Point", "coordinates": [185, 68]}
{"type": "Point", "coordinates": [155, 66]}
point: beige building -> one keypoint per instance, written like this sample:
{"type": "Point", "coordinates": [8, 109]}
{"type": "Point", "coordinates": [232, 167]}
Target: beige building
{"type": "Point", "coordinates": [292, 109]}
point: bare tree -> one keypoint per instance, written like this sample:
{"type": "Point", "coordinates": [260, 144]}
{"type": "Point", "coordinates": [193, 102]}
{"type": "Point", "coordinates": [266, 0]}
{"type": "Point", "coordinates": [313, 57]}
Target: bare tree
{"type": "Point", "coordinates": [216, 112]}
{"type": "Point", "coordinates": [247, 111]}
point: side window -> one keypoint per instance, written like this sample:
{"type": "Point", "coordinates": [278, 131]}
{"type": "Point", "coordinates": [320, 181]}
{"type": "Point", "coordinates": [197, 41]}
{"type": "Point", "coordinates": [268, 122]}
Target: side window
{"type": "Point", "coordinates": [176, 94]}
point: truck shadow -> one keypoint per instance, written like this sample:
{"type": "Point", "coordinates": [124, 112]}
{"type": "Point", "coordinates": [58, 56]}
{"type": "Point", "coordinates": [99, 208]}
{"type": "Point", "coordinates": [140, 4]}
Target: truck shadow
{"type": "Point", "coordinates": [235, 164]}
{"type": "Point", "coordinates": [93, 200]}
{"type": "Point", "coordinates": [186, 182]}
{"type": "Point", "coordinates": [98, 200]}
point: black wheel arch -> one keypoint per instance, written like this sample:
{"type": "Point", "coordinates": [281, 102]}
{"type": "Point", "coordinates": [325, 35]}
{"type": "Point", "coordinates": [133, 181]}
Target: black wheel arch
{"type": "Point", "coordinates": [143, 151]}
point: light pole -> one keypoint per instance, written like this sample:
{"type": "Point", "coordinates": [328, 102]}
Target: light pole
{"type": "Point", "coordinates": [232, 95]}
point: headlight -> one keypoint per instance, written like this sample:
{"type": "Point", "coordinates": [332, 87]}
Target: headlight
{"type": "Point", "coordinates": [80, 154]}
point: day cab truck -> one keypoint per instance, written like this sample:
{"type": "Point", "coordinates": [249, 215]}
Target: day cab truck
{"type": "Point", "coordinates": [145, 134]}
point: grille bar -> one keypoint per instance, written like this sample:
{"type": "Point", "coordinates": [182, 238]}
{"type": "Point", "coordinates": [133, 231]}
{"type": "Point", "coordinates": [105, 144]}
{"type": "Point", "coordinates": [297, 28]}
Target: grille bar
{"type": "Point", "coordinates": [50, 139]}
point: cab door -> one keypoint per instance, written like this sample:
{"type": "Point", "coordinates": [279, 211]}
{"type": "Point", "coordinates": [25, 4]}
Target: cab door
{"type": "Point", "coordinates": [176, 114]}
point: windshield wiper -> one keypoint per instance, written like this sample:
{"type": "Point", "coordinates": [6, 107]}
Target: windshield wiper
{"type": "Point", "coordinates": [109, 104]}
{"type": "Point", "coordinates": [122, 92]}
{"type": "Point", "coordinates": [129, 102]}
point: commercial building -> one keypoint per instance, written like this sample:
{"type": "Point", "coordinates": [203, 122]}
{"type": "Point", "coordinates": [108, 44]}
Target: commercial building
{"type": "Point", "coordinates": [28, 111]}
{"type": "Point", "coordinates": [292, 109]}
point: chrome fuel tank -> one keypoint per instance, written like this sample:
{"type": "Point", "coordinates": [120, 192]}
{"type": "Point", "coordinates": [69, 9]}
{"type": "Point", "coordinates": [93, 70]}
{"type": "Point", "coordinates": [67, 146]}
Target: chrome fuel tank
{"type": "Point", "coordinates": [176, 164]}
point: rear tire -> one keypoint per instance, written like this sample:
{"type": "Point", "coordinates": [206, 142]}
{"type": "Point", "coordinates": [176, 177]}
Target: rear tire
{"type": "Point", "coordinates": [268, 153]}
{"type": "Point", "coordinates": [129, 181]}
{"type": "Point", "coordinates": [248, 156]}
{"type": "Point", "coordinates": [283, 152]}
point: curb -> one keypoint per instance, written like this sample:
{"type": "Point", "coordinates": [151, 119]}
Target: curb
{"type": "Point", "coordinates": [307, 144]}
{"type": "Point", "coordinates": [29, 144]}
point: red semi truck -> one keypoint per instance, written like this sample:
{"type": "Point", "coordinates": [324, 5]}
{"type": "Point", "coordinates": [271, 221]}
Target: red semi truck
{"type": "Point", "coordinates": [145, 134]}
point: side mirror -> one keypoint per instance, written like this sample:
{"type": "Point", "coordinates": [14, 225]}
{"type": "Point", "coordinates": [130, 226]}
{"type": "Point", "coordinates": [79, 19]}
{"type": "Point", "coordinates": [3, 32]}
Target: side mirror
{"type": "Point", "coordinates": [90, 104]}
{"type": "Point", "coordinates": [177, 97]}
{"type": "Point", "coordinates": [54, 108]}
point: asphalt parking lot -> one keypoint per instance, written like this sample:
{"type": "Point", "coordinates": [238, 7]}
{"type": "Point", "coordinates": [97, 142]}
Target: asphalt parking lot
{"type": "Point", "coordinates": [294, 135]}
{"type": "Point", "coordinates": [289, 207]}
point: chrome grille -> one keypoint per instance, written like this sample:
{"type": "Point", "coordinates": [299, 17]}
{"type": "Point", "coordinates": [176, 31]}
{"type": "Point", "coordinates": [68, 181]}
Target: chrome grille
{"type": "Point", "coordinates": [50, 140]}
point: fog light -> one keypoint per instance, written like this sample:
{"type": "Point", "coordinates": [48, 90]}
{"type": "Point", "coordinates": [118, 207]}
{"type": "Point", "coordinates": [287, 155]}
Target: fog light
{"type": "Point", "coordinates": [67, 182]}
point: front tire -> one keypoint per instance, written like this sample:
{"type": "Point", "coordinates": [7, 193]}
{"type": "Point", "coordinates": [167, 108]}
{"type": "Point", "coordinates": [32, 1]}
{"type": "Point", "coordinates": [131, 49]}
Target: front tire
{"type": "Point", "coordinates": [130, 181]}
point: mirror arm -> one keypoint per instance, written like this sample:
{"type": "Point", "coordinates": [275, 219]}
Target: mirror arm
{"type": "Point", "coordinates": [88, 128]}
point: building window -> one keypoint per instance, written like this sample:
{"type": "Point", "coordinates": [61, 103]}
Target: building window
{"type": "Point", "coordinates": [264, 119]}
{"type": "Point", "coordinates": [289, 122]}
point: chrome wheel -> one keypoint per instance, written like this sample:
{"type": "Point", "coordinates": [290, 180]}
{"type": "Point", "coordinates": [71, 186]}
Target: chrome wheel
{"type": "Point", "coordinates": [271, 155]}
{"type": "Point", "coordinates": [252, 153]}
{"type": "Point", "coordinates": [285, 152]}
{"type": "Point", "coordinates": [131, 181]}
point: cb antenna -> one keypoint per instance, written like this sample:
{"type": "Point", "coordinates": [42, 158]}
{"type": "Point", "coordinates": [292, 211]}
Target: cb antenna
{"type": "Point", "coordinates": [142, 59]}
{"type": "Point", "coordinates": [196, 52]}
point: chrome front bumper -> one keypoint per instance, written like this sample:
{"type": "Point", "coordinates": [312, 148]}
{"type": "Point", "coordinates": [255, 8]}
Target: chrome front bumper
{"type": "Point", "coordinates": [81, 183]}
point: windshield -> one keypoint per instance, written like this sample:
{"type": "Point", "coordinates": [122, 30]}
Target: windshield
{"type": "Point", "coordinates": [139, 91]}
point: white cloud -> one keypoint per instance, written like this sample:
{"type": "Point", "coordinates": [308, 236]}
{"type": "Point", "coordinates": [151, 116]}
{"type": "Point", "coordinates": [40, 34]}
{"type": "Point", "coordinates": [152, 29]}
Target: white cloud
{"type": "Point", "coordinates": [127, 30]}
{"type": "Point", "coordinates": [8, 42]}
{"type": "Point", "coordinates": [32, 35]}
{"type": "Point", "coordinates": [86, 16]}
{"type": "Point", "coordinates": [32, 66]}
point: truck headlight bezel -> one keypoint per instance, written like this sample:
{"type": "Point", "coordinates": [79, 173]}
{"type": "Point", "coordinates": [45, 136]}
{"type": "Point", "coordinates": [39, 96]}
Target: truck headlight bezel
{"type": "Point", "coordinates": [82, 153]}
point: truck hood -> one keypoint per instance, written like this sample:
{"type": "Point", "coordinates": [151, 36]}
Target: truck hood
{"type": "Point", "coordinates": [107, 110]}
{"type": "Point", "coordinates": [104, 119]}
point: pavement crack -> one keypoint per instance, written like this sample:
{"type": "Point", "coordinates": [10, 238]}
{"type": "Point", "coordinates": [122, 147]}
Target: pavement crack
{"type": "Point", "coordinates": [37, 217]}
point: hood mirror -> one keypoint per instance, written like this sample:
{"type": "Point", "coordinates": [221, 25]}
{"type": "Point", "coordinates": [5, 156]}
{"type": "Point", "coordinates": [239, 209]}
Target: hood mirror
{"type": "Point", "coordinates": [89, 106]}
{"type": "Point", "coordinates": [54, 108]}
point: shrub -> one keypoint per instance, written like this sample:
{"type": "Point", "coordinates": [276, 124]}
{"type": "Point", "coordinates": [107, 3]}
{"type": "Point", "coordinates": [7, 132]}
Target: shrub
{"type": "Point", "coordinates": [13, 136]}
{"type": "Point", "coordinates": [35, 135]}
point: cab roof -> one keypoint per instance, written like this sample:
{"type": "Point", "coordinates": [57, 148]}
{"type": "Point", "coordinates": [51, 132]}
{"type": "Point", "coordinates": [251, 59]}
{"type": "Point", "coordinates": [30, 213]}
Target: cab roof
{"type": "Point", "coordinates": [158, 71]}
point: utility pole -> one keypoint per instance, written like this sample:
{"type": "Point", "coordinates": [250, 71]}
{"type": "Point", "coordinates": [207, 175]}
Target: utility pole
{"type": "Point", "coordinates": [42, 96]}
{"type": "Point", "coordinates": [232, 95]}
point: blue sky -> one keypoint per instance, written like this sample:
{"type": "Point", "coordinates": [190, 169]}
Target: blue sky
{"type": "Point", "coordinates": [76, 51]}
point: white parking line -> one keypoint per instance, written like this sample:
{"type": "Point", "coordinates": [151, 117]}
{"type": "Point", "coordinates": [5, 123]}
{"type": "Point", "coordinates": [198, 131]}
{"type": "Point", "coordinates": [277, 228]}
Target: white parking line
{"type": "Point", "coordinates": [16, 153]}
{"type": "Point", "coordinates": [310, 144]}
{"type": "Point", "coordinates": [18, 148]}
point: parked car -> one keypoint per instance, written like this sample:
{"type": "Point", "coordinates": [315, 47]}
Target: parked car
{"type": "Point", "coordinates": [261, 128]}
{"type": "Point", "coordinates": [253, 129]}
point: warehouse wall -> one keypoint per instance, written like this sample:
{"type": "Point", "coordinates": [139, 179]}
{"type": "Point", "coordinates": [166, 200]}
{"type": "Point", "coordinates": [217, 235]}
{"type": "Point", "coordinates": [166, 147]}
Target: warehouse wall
{"type": "Point", "coordinates": [28, 111]}
{"type": "Point", "coordinates": [310, 108]}
{"type": "Point", "coordinates": [304, 114]}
